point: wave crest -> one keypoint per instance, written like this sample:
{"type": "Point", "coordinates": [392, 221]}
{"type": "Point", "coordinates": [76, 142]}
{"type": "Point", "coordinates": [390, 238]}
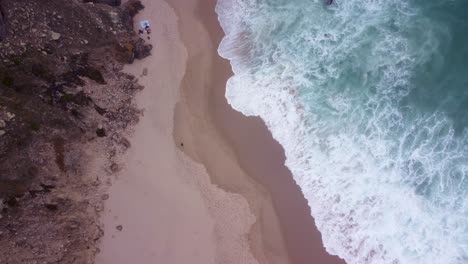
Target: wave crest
{"type": "Point", "coordinates": [386, 180]}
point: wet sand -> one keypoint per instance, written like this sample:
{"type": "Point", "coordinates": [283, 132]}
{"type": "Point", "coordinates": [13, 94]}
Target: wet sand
{"type": "Point", "coordinates": [251, 143]}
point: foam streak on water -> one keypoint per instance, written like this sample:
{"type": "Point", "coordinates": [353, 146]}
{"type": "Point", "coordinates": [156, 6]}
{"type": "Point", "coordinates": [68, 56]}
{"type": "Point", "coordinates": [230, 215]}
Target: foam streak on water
{"type": "Point", "coordinates": [369, 100]}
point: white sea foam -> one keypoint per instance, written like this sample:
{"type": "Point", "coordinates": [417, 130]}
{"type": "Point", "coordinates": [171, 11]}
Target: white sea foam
{"type": "Point", "coordinates": [385, 183]}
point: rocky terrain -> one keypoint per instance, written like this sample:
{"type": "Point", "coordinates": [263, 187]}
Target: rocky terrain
{"type": "Point", "coordinates": [65, 106]}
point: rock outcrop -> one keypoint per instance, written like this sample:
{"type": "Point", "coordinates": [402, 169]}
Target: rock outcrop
{"type": "Point", "coordinates": [132, 7]}
{"type": "Point", "coordinates": [62, 97]}
{"type": "Point", "coordinates": [142, 50]}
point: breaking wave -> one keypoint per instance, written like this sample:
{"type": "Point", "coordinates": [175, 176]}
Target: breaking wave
{"type": "Point", "coordinates": [368, 99]}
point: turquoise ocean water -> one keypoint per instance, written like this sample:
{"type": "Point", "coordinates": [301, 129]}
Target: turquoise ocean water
{"type": "Point", "coordinates": [369, 98]}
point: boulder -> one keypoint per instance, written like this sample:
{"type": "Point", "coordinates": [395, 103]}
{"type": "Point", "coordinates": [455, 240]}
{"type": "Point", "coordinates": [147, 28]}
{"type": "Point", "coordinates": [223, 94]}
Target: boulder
{"type": "Point", "coordinates": [10, 116]}
{"type": "Point", "coordinates": [141, 49]}
{"type": "Point", "coordinates": [125, 142]}
{"type": "Point", "coordinates": [53, 206]}
{"type": "Point", "coordinates": [101, 132]}
{"type": "Point", "coordinates": [132, 7]}
{"type": "Point", "coordinates": [124, 53]}
{"type": "Point", "coordinates": [55, 35]}
{"type": "Point", "coordinates": [114, 167]}
{"type": "Point", "coordinates": [48, 185]}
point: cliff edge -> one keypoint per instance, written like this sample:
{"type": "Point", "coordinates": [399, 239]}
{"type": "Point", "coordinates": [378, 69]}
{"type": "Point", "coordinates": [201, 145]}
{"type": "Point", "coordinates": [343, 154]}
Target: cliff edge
{"type": "Point", "coordinates": [65, 108]}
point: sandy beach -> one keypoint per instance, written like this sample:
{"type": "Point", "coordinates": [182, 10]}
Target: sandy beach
{"type": "Point", "coordinates": [201, 183]}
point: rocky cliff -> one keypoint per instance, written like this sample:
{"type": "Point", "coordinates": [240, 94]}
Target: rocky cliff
{"type": "Point", "coordinates": [64, 104]}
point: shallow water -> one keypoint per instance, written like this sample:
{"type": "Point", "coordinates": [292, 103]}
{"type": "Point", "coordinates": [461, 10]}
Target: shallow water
{"type": "Point", "coordinates": [369, 98]}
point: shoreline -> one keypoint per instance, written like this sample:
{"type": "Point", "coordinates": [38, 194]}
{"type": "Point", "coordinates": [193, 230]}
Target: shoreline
{"type": "Point", "coordinates": [201, 183]}
{"type": "Point", "coordinates": [203, 141]}
{"type": "Point", "coordinates": [256, 152]}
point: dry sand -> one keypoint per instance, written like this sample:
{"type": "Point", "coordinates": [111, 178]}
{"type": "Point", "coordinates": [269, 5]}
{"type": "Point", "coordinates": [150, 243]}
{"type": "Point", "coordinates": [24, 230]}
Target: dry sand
{"type": "Point", "coordinates": [232, 201]}
{"type": "Point", "coordinates": [164, 202]}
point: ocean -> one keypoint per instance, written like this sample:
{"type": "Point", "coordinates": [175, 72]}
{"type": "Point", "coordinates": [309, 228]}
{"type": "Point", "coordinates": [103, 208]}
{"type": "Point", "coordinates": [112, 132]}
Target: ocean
{"type": "Point", "coordinates": [369, 99]}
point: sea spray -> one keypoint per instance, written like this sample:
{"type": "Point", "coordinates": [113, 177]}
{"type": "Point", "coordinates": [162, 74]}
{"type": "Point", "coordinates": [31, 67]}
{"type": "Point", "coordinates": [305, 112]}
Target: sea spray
{"type": "Point", "coordinates": [369, 100]}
